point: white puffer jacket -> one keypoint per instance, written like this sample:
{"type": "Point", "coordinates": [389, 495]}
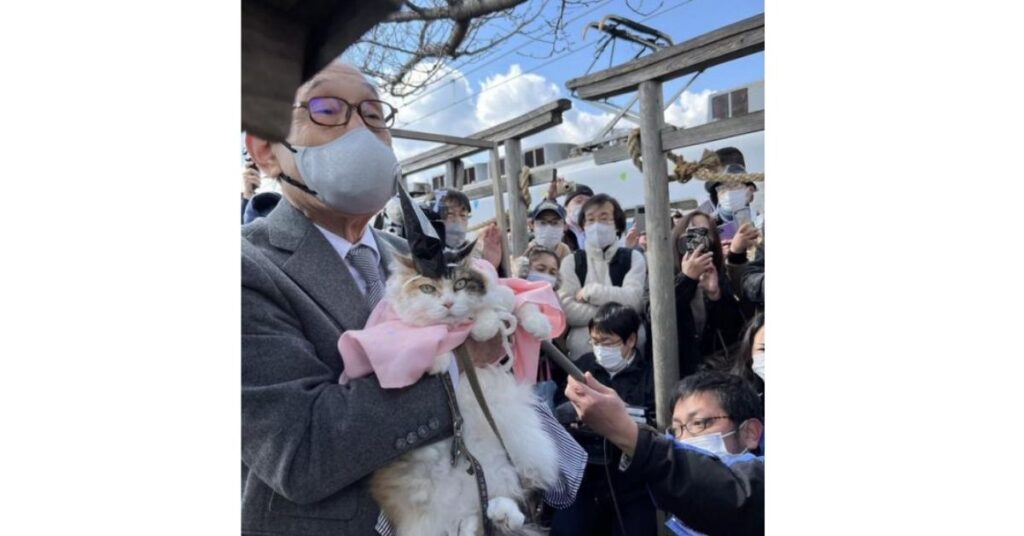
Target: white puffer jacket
{"type": "Point", "coordinates": [598, 291]}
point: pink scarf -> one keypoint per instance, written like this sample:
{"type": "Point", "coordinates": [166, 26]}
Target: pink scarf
{"type": "Point", "coordinates": [399, 354]}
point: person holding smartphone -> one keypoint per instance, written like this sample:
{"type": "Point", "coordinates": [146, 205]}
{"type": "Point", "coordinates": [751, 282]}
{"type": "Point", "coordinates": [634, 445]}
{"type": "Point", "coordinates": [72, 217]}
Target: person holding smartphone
{"type": "Point", "coordinates": [708, 316]}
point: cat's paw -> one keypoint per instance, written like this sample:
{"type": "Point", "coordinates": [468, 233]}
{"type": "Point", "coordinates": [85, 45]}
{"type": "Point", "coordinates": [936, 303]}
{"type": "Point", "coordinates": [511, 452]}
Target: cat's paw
{"type": "Point", "coordinates": [442, 363]}
{"type": "Point", "coordinates": [534, 322]}
{"type": "Point", "coordinates": [503, 298]}
{"type": "Point", "coordinates": [505, 513]}
{"type": "Point", "coordinates": [485, 326]}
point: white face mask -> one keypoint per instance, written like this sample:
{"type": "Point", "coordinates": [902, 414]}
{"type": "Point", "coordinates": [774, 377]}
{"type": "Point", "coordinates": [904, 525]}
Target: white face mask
{"type": "Point", "coordinates": [600, 234]}
{"type": "Point", "coordinates": [713, 442]}
{"type": "Point", "coordinates": [541, 276]}
{"type": "Point", "coordinates": [731, 200]}
{"type": "Point", "coordinates": [574, 216]}
{"type": "Point", "coordinates": [609, 357]}
{"type": "Point", "coordinates": [548, 235]}
{"type": "Point", "coordinates": [758, 364]}
{"type": "Point", "coordinates": [355, 174]}
{"type": "Point", "coordinates": [454, 234]}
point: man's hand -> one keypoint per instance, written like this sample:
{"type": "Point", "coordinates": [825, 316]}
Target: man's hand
{"type": "Point", "coordinates": [491, 238]}
{"type": "Point", "coordinates": [632, 237]}
{"type": "Point", "coordinates": [602, 409]}
{"type": "Point", "coordinates": [581, 296]}
{"type": "Point", "coordinates": [696, 262]}
{"type": "Point", "coordinates": [709, 282]}
{"type": "Point", "coordinates": [745, 237]}
{"type": "Point", "coordinates": [250, 182]}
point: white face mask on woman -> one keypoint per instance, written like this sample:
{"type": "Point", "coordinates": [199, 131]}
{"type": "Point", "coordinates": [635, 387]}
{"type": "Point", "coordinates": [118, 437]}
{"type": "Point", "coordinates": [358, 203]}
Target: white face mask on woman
{"type": "Point", "coordinates": [600, 234]}
{"type": "Point", "coordinates": [548, 235]}
{"type": "Point", "coordinates": [758, 364]}
{"type": "Point", "coordinates": [541, 276]}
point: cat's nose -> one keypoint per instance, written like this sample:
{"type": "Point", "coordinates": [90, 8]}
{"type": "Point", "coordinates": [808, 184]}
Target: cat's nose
{"type": "Point", "coordinates": [448, 304]}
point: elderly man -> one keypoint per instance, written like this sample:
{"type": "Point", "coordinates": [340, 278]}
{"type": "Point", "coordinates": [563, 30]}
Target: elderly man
{"type": "Point", "coordinates": [710, 475]}
{"type": "Point", "coordinates": [312, 269]}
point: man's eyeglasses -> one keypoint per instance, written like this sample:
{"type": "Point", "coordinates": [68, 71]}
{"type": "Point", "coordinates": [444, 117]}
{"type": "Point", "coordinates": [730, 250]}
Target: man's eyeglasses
{"type": "Point", "coordinates": [696, 426]}
{"type": "Point", "coordinates": [336, 112]}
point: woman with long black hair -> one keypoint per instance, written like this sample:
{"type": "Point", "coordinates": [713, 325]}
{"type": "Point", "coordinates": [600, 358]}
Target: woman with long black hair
{"type": "Point", "coordinates": [708, 317]}
{"type": "Point", "coordinates": [749, 361]}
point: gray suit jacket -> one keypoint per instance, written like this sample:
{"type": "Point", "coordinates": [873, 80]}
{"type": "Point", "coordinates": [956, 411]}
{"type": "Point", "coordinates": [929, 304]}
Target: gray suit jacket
{"type": "Point", "coordinates": [309, 444]}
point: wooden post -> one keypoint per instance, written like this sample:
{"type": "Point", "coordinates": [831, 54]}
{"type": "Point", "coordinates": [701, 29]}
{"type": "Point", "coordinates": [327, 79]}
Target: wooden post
{"type": "Point", "coordinates": [499, 208]}
{"type": "Point", "coordinates": [518, 210]}
{"type": "Point", "coordinates": [452, 170]}
{"type": "Point", "coordinates": [659, 250]}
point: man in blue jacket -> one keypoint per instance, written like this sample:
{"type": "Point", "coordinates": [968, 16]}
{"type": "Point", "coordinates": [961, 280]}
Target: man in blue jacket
{"type": "Point", "coordinates": [709, 472]}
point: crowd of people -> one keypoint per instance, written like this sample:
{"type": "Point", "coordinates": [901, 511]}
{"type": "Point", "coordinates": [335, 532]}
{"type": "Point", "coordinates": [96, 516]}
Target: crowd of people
{"type": "Point", "coordinates": [307, 441]}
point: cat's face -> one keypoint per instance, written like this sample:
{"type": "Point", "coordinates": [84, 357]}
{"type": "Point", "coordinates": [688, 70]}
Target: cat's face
{"type": "Point", "coordinates": [423, 301]}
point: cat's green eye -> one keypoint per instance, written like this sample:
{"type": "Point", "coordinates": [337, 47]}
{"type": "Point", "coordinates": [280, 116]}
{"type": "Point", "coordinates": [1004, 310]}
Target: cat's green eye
{"type": "Point", "coordinates": [460, 284]}
{"type": "Point", "coordinates": [427, 289]}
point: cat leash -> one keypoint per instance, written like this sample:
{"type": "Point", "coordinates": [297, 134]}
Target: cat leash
{"type": "Point", "coordinates": [459, 449]}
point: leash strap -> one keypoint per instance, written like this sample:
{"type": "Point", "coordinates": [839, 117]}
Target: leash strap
{"type": "Point", "coordinates": [459, 449]}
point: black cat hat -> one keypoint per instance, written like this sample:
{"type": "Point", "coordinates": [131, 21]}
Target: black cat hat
{"type": "Point", "coordinates": [426, 241]}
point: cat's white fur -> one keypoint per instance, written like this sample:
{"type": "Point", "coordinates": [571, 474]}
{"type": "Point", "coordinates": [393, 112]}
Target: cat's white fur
{"type": "Point", "coordinates": [422, 493]}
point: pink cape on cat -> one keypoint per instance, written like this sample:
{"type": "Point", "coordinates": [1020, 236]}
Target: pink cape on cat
{"type": "Point", "coordinates": [400, 354]}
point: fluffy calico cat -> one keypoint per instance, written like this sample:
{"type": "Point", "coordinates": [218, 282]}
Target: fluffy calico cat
{"type": "Point", "coordinates": [422, 493]}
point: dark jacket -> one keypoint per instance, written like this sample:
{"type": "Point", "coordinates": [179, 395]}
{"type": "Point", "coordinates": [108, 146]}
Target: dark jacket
{"type": "Point", "coordinates": [708, 494]}
{"type": "Point", "coordinates": [752, 280]}
{"type": "Point", "coordinates": [308, 443]}
{"type": "Point", "coordinates": [723, 317]}
{"type": "Point", "coordinates": [634, 385]}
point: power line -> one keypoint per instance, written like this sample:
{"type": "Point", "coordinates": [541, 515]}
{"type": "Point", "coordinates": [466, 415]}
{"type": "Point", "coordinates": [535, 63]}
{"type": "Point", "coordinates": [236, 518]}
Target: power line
{"type": "Point", "coordinates": [561, 56]}
{"type": "Point", "coordinates": [530, 40]}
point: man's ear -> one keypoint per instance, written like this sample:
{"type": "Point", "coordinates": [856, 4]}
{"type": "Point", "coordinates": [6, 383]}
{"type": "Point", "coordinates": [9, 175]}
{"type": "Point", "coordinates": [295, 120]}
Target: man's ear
{"type": "Point", "coordinates": [262, 154]}
{"type": "Point", "coordinates": [632, 340]}
{"type": "Point", "coordinates": [750, 435]}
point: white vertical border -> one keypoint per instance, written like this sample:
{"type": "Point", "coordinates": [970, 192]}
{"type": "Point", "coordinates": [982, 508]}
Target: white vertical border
{"type": "Point", "coordinates": [894, 297]}
{"type": "Point", "coordinates": [120, 358]}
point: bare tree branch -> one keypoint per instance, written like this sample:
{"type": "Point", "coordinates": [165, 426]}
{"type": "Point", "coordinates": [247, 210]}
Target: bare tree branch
{"type": "Point", "coordinates": [462, 11]}
{"type": "Point", "coordinates": [414, 47]}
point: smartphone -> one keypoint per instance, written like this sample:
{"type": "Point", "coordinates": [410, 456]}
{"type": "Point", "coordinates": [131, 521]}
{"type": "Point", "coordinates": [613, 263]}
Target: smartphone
{"type": "Point", "coordinates": [563, 361]}
{"type": "Point", "coordinates": [728, 230]}
{"type": "Point", "coordinates": [742, 216]}
{"type": "Point", "coordinates": [640, 221]}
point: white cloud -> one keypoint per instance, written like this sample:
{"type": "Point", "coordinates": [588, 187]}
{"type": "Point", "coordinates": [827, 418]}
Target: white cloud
{"type": "Point", "coordinates": [504, 96]}
{"type": "Point", "coordinates": [435, 110]}
{"type": "Point", "coordinates": [691, 109]}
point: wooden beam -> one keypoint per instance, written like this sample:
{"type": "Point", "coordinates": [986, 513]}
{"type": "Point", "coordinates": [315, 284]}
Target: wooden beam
{"type": "Point", "coordinates": [660, 260]}
{"type": "Point", "coordinates": [713, 48]}
{"type": "Point", "coordinates": [518, 209]}
{"type": "Point", "coordinates": [532, 122]}
{"type": "Point", "coordinates": [482, 189]}
{"type": "Point", "coordinates": [672, 138]}
{"type": "Point", "coordinates": [440, 138]}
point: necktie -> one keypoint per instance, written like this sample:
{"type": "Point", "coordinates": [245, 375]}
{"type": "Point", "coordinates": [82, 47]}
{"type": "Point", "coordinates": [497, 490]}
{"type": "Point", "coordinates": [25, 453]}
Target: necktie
{"type": "Point", "coordinates": [362, 258]}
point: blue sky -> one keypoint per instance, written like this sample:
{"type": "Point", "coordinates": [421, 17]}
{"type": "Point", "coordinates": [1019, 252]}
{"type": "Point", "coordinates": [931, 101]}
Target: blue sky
{"type": "Point", "coordinates": [518, 76]}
